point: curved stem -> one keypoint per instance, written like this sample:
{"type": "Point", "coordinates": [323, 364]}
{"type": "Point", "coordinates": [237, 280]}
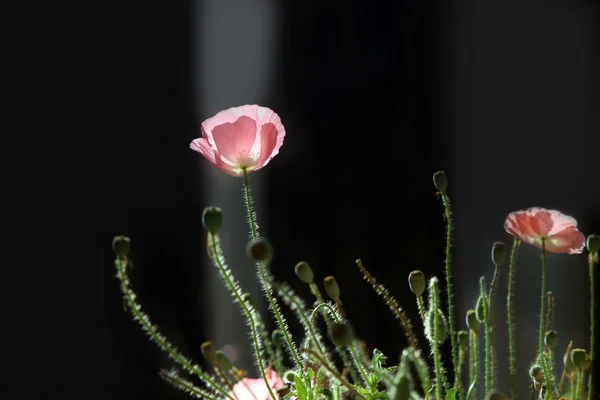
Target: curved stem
{"type": "Point", "coordinates": [226, 276]}
{"type": "Point", "coordinates": [487, 336]}
{"type": "Point", "coordinates": [511, 320]}
{"type": "Point", "coordinates": [493, 325]}
{"type": "Point", "coordinates": [450, 297]}
{"type": "Point", "coordinates": [475, 367]}
{"type": "Point", "coordinates": [543, 305]}
{"type": "Point", "coordinates": [592, 327]}
{"type": "Point", "coordinates": [152, 331]}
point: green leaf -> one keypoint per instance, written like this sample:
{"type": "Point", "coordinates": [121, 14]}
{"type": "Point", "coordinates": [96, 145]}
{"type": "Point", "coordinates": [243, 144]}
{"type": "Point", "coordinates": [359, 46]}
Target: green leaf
{"type": "Point", "coordinates": [300, 388]}
{"type": "Point", "coordinates": [451, 394]}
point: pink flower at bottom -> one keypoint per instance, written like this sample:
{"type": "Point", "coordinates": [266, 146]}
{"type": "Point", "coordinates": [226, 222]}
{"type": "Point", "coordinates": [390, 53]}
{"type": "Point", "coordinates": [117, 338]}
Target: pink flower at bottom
{"type": "Point", "coordinates": [558, 230]}
{"type": "Point", "coordinates": [245, 137]}
{"type": "Point", "coordinates": [255, 389]}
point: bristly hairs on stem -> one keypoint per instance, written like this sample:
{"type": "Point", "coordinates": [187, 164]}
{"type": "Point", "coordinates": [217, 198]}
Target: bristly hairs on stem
{"type": "Point", "coordinates": [493, 356]}
{"type": "Point", "coordinates": [184, 385]}
{"type": "Point", "coordinates": [393, 305]}
{"type": "Point", "coordinates": [265, 279]}
{"type": "Point", "coordinates": [511, 320]}
{"type": "Point", "coordinates": [551, 390]}
{"type": "Point", "coordinates": [450, 293]}
{"type": "Point", "coordinates": [440, 377]}
{"type": "Point", "coordinates": [543, 299]}
{"type": "Point", "coordinates": [121, 263]}
{"type": "Point", "coordinates": [593, 259]}
{"type": "Point", "coordinates": [474, 367]}
{"type": "Point", "coordinates": [550, 312]}
{"type": "Point", "coordinates": [486, 320]}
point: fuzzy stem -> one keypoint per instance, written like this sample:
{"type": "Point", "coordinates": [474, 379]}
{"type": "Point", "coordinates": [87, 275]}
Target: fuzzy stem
{"type": "Point", "coordinates": [421, 306]}
{"type": "Point", "coordinates": [152, 331]}
{"type": "Point", "coordinates": [186, 386]}
{"type": "Point", "coordinates": [511, 320]}
{"type": "Point", "coordinates": [474, 338]}
{"type": "Point", "coordinates": [450, 295]}
{"type": "Point", "coordinates": [543, 305]}
{"type": "Point", "coordinates": [486, 321]}
{"type": "Point", "coordinates": [493, 326]}
{"type": "Point", "coordinates": [591, 258]}
{"type": "Point", "coordinates": [548, 377]}
{"type": "Point", "coordinates": [236, 292]}
{"type": "Point", "coordinates": [437, 360]}
{"type": "Point", "coordinates": [266, 284]}
{"type": "Point", "coordinates": [578, 386]}
{"type": "Point", "coordinates": [422, 369]}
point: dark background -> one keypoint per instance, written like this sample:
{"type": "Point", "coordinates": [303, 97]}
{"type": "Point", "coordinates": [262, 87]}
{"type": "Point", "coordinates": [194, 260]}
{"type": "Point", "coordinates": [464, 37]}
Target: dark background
{"type": "Point", "coordinates": [375, 97]}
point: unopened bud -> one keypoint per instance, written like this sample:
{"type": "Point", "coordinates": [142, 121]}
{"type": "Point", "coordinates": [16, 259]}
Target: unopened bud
{"type": "Point", "coordinates": [222, 361]}
{"type": "Point", "coordinates": [495, 396]}
{"type": "Point", "coordinates": [472, 321]}
{"type": "Point", "coordinates": [440, 181]}
{"type": "Point", "coordinates": [463, 339]}
{"type": "Point", "coordinates": [331, 287]}
{"type": "Point", "coordinates": [304, 272]}
{"type": "Point", "coordinates": [479, 311]}
{"type": "Point", "coordinates": [498, 253]}
{"type": "Point", "coordinates": [289, 377]}
{"type": "Point", "coordinates": [277, 338]}
{"type": "Point", "coordinates": [593, 243]}
{"type": "Point", "coordinates": [212, 219]}
{"type": "Point", "coordinates": [121, 245]}
{"type": "Point", "coordinates": [551, 339]}
{"type": "Point", "coordinates": [259, 249]}
{"type": "Point", "coordinates": [536, 372]}
{"type": "Point", "coordinates": [208, 351]}
{"type": "Point", "coordinates": [248, 299]}
{"type": "Point", "coordinates": [435, 329]}
{"type": "Point", "coordinates": [416, 282]}
{"type": "Point", "coordinates": [580, 358]}
{"type": "Point", "coordinates": [341, 334]}
{"type": "Point", "coordinates": [401, 388]}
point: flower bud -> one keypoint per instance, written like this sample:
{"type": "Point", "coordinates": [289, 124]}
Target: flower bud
{"type": "Point", "coordinates": [277, 338]}
{"type": "Point", "coordinates": [551, 339]}
{"type": "Point", "coordinates": [416, 282]}
{"type": "Point", "coordinates": [463, 339]}
{"type": "Point", "coordinates": [208, 351]}
{"type": "Point", "coordinates": [248, 299]}
{"type": "Point", "coordinates": [479, 312]}
{"type": "Point", "coordinates": [495, 396]}
{"type": "Point", "coordinates": [304, 272]}
{"type": "Point", "coordinates": [472, 321]}
{"type": "Point", "coordinates": [440, 181]}
{"type": "Point", "coordinates": [593, 243]}
{"type": "Point", "coordinates": [498, 253]}
{"type": "Point", "coordinates": [341, 334]}
{"type": "Point", "coordinates": [121, 245]}
{"type": "Point", "coordinates": [331, 287]}
{"type": "Point", "coordinates": [222, 361]}
{"type": "Point", "coordinates": [435, 328]}
{"type": "Point", "coordinates": [401, 388]}
{"type": "Point", "coordinates": [580, 358]}
{"type": "Point", "coordinates": [536, 372]}
{"type": "Point", "coordinates": [259, 249]}
{"type": "Point", "coordinates": [289, 377]}
{"type": "Point", "coordinates": [212, 219]}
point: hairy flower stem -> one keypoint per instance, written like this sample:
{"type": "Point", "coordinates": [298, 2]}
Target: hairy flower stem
{"type": "Point", "coordinates": [450, 296]}
{"type": "Point", "coordinates": [579, 384]}
{"type": "Point", "coordinates": [234, 289]}
{"type": "Point", "coordinates": [548, 377]}
{"type": "Point", "coordinates": [435, 346]}
{"type": "Point", "coordinates": [493, 326]}
{"type": "Point", "coordinates": [265, 281]}
{"type": "Point", "coordinates": [486, 321]}
{"type": "Point", "coordinates": [421, 306]}
{"type": "Point", "coordinates": [474, 368]}
{"type": "Point", "coordinates": [592, 258]}
{"type": "Point", "coordinates": [543, 305]}
{"type": "Point", "coordinates": [511, 320]}
{"type": "Point", "coordinates": [129, 296]}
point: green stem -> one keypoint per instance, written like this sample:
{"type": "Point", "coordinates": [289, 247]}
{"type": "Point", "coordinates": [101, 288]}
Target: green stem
{"type": "Point", "coordinates": [487, 336]}
{"type": "Point", "coordinates": [493, 326]}
{"type": "Point", "coordinates": [437, 360]}
{"type": "Point", "coordinates": [151, 329]}
{"type": "Point", "coordinates": [511, 320]}
{"type": "Point", "coordinates": [450, 297]}
{"type": "Point", "coordinates": [543, 306]}
{"type": "Point", "coordinates": [267, 287]}
{"type": "Point", "coordinates": [579, 384]}
{"type": "Point", "coordinates": [474, 338]}
{"type": "Point", "coordinates": [548, 377]}
{"type": "Point", "coordinates": [592, 327]}
{"type": "Point", "coordinates": [234, 289]}
{"type": "Point", "coordinates": [421, 306]}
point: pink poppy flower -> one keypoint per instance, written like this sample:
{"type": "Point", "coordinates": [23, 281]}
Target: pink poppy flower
{"type": "Point", "coordinates": [558, 230]}
{"type": "Point", "coordinates": [241, 137]}
{"type": "Point", "coordinates": [255, 389]}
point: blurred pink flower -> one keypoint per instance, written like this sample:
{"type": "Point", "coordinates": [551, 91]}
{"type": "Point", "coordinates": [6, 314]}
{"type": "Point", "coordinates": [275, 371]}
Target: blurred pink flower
{"type": "Point", "coordinates": [255, 389]}
{"type": "Point", "coordinates": [558, 230]}
{"type": "Point", "coordinates": [241, 137]}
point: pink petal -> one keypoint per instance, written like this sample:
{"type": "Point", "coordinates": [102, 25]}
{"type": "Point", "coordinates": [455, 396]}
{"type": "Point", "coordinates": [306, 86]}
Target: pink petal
{"type": "Point", "coordinates": [255, 389]}
{"type": "Point", "coordinates": [540, 221]}
{"type": "Point", "coordinates": [233, 140]}
{"type": "Point", "coordinates": [268, 142]}
{"type": "Point", "coordinates": [569, 240]}
{"type": "Point", "coordinates": [561, 222]}
{"type": "Point", "coordinates": [202, 146]}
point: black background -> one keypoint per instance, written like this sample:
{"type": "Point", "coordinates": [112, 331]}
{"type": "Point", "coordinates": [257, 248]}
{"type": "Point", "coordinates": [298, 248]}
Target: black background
{"type": "Point", "coordinates": [375, 97]}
